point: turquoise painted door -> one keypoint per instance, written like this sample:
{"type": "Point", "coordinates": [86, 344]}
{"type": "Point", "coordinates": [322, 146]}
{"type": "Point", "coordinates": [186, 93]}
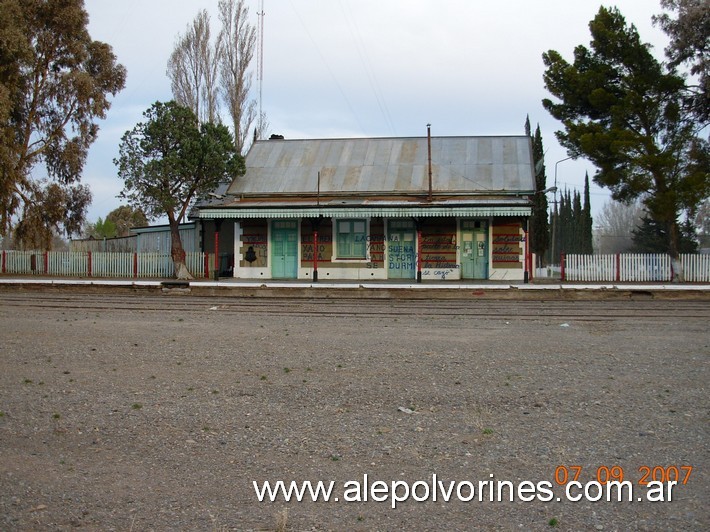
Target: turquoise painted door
{"type": "Point", "coordinates": [474, 250]}
{"type": "Point", "coordinates": [284, 250]}
{"type": "Point", "coordinates": [401, 251]}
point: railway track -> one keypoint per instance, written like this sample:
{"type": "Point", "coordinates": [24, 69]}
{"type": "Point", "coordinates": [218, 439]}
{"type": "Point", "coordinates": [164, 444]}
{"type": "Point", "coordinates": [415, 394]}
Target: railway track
{"type": "Point", "coordinates": [436, 309]}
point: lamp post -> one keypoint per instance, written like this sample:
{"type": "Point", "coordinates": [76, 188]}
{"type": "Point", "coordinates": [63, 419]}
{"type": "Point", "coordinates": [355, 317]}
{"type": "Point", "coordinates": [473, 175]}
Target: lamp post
{"type": "Point", "coordinates": [528, 250]}
{"type": "Point", "coordinates": [553, 243]}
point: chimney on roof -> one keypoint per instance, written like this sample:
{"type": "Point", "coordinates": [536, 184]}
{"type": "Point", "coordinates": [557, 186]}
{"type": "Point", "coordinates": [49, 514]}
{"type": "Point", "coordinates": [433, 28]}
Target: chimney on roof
{"type": "Point", "coordinates": [276, 137]}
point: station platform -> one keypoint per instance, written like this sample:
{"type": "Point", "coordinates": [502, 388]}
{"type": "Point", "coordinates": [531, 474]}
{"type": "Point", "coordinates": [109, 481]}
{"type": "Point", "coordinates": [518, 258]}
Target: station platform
{"type": "Point", "coordinates": [543, 289]}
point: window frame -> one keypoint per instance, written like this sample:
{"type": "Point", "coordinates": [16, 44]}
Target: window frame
{"type": "Point", "coordinates": [352, 254]}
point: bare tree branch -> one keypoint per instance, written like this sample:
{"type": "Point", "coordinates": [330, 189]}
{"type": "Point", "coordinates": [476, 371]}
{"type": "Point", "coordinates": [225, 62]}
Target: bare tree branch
{"type": "Point", "coordinates": [238, 39]}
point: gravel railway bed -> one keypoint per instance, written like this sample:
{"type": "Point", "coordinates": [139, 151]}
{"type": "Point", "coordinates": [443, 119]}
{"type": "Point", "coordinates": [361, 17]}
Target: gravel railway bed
{"type": "Point", "coordinates": [149, 411]}
{"type": "Point", "coordinates": [363, 307]}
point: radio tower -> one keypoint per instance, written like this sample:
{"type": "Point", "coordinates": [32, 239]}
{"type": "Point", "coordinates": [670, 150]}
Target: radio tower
{"type": "Point", "coordinates": [260, 67]}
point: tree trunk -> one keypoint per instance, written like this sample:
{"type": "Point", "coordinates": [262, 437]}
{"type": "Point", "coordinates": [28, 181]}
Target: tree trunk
{"type": "Point", "coordinates": [674, 252]}
{"type": "Point", "coordinates": [178, 253]}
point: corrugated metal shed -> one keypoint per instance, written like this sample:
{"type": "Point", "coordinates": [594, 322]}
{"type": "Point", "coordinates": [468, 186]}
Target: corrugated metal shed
{"type": "Point", "coordinates": [460, 165]}
{"type": "Point", "coordinates": [157, 238]}
{"type": "Point", "coordinates": [120, 244]}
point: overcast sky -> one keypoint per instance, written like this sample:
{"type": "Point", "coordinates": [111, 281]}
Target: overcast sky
{"type": "Point", "coordinates": [368, 68]}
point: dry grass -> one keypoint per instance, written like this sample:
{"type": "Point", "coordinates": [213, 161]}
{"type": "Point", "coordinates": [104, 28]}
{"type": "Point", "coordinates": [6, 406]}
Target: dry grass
{"type": "Point", "coordinates": [282, 520]}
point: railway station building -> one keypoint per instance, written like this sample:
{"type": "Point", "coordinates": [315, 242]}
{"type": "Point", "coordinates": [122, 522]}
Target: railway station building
{"type": "Point", "coordinates": [424, 208]}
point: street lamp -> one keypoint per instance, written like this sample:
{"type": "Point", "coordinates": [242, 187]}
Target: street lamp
{"type": "Point", "coordinates": [528, 252]}
{"type": "Point", "coordinates": [554, 218]}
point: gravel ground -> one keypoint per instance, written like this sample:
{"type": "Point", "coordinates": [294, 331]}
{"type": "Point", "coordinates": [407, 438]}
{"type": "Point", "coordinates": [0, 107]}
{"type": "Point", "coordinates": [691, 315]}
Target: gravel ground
{"type": "Point", "coordinates": [150, 413]}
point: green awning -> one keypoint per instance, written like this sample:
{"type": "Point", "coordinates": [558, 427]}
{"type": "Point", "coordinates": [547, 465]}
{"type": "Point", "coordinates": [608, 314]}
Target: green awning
{"type": "Point", "coordinates": [364, 212]}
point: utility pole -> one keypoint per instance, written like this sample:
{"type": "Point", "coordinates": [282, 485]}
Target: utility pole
{"type": "Point", "coordinates": [428, 136]}
{"type": "Point", "coordinates": [260, 73]}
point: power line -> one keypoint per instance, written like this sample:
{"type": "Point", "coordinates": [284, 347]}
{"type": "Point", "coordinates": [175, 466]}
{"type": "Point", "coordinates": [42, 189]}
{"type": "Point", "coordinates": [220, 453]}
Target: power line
{"type": "Point", "coordinates": [367, 65]}
{"type": "Point", "coordinates": [327, 66]}
{"type": "Point", "coordinates": [260, 69]}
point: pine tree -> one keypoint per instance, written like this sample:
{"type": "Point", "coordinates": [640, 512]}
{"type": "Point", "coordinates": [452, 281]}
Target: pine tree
{"type": "Point", "coordinates": [626, 112]}
{"type": "Point", "coordinates": [652, 237]}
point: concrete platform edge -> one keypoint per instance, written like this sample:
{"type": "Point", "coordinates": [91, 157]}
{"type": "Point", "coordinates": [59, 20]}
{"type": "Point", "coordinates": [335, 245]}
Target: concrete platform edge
{"type": "Point", "coordinates": [236, 288]}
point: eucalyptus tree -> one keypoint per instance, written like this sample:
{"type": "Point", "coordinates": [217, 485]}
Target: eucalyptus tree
{"type": "Point", "coordinates": [55, 82]}
{"type": "Point", "coordinates": [126, 218]}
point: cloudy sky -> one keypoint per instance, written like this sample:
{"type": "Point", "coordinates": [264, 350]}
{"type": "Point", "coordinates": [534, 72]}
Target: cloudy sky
{"type": "Point", "coordinates": [368, 68]}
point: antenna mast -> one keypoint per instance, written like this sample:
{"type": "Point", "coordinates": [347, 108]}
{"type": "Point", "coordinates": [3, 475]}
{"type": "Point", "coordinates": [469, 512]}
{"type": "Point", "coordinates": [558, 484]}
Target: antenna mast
{"type": "Point", "coordinates": [260, 67]}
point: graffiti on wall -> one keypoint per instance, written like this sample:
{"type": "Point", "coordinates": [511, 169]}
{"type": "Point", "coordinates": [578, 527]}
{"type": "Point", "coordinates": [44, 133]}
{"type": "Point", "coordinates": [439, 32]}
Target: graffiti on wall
{"type": "Point", "coordinates": [254, 248]}
{"type": "Point", "coordinates": [507, 245]}
{"type": "Point", "coordinates": [439, 247]}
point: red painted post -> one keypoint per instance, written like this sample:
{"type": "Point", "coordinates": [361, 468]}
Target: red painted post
{"type": "Point", "coordinates": [4, 261]}
{"type": "Point", "coordinates": [88, 264]}
{"type": "Point", "coordinates": [207, 265]}
{"type": "Point", "coordinates": [46, 262]}
{"type": "Point", "coordinates": [315, 256]}
{"type": "Point", "coordinates": [526, 272]}
{"type": "Point", "coordinates": [135, 265]}
{"type": "Point", "coordinates": [419, 255]}
{"type": "Point", "coordinates": [618, 267]}
{"type": "Point", "coordinates": [562, 266]}
{"type": "Point", "coordinates": [216, 255]}
{"type": "Point", "coordinates": [531, 268]}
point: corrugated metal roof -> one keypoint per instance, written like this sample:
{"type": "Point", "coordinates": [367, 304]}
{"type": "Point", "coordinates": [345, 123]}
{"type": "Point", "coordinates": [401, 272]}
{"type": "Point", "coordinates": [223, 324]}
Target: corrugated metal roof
{"type": "Point", "coordinates": [460, 165]}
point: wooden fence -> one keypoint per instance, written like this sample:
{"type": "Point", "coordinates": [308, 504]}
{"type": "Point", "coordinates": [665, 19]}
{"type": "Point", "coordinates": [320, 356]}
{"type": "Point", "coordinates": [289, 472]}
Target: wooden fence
{"type": "Point", "coordinates": [633, 267]}
{"type": "Point", "coordinates": [101, 264]}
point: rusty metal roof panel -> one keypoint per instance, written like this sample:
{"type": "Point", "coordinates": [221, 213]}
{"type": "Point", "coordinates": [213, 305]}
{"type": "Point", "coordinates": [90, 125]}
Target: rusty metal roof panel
{"type": "Point", "coordinates": [399, 165]}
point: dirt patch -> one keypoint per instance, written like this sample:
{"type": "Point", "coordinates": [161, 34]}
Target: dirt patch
{"type": "Point", "coordinates": [140, 413]}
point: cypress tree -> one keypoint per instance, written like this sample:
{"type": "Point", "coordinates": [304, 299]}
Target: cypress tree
{"type": "Point", "coordinates": [564, 222]}
{"type": "Point", "coordinates": [587, 220]}
{"type": "Point", "coordinates": [571, 237]}
{"type": "Point", "coordinates": [577, 227]}
{"type": "Point", "coordinates": [553, 255]}
{"type": "Point", "coordinates": [539, 227]}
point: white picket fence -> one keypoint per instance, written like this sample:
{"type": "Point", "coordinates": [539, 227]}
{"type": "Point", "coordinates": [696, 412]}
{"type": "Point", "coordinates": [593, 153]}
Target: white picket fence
{"type": "Point", "coordinates": [551, 271]}
{"type": "Point", "coordinates": [696, 268]}
{"type": "Point", "coordinates": [633, 267]}
{"type": "Point", "coordinates": [101, 264]}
